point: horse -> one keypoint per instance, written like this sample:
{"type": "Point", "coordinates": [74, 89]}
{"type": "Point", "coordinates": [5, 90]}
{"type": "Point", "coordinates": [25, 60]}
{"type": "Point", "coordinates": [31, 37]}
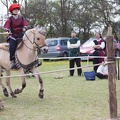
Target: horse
{"type": "Point", "coordinates": [26, 60]}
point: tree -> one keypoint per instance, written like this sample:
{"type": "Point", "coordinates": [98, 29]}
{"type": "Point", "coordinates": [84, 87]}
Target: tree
{"type": "Point", "coordinates": [105, 11]}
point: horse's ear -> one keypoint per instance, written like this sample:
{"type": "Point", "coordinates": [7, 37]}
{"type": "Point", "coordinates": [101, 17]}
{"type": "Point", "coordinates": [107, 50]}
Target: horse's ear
{"type": "Point", "coordinates": [36, 26]}
{"type": "Point", "coordinates": [40, 30]}
{"type": "Point", "coordinates": [43, 30]}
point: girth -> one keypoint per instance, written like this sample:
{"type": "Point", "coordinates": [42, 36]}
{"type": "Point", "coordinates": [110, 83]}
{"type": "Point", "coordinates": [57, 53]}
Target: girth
{"type": "Point", "coordinates": [27, 68]}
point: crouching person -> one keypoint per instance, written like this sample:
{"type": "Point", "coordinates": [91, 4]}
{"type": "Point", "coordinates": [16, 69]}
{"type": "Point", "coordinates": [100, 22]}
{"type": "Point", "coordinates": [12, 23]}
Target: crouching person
{"type": "Point", "coordinates": [102, 71]}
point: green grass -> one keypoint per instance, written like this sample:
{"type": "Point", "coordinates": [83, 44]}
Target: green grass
{"type": "Point", "coordinates": [69, 98]}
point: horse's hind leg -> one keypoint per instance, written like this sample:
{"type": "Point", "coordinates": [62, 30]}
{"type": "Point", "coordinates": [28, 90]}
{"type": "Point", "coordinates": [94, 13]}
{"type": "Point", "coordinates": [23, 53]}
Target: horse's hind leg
{"type": "Point", "coordinates": [19, 90]}
{"type": "Point", "coordinates": [5, 92]}
{"type": "Point", "coordinates": [8, 83]}
{"type": "Point", "coordinates": [41, 90]}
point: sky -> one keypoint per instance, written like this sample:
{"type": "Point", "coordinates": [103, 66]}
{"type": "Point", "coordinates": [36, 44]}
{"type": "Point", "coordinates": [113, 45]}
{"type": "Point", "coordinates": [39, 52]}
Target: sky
{"type": "Point", "coordinates": [2, 8]}
{"type": "Point", "coordinates": [3, 11]}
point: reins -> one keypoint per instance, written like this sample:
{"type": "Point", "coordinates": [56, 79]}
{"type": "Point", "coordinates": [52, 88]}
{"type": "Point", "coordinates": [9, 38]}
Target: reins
{"type": "Point", "coordinates": [33, 42]}
{"type": "Point", "coordinates": [29, 41]}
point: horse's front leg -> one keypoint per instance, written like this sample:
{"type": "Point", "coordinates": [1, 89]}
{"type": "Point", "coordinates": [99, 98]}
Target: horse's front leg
{"type": "Point", "coordinates": [41, 90]}
{"type": "Point", "coordinates": [5, 92]}
{"type": "Point", "coordinates": [19, 90]}
{"type": "Point", "coordinates": [8, 84]}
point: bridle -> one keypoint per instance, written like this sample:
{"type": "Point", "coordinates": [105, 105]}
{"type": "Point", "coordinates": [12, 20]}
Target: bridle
{"type": "Point", "coordinates": [38, 47]}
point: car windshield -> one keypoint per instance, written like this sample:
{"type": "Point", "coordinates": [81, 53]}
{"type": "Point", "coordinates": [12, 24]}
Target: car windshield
{"type": "Point", "coordinates": [88, 43]}
{"type": "Point", "coordinates": [51, 42]}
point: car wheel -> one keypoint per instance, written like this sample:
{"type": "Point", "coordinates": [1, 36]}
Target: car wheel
{"type": "Point", "coordinates": [45, 59]}
{"type": "Point", "coordinates": [65, 55]}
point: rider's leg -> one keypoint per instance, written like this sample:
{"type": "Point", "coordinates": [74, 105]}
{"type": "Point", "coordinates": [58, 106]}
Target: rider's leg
{"type": "Point", "coordinates": [12, 48]}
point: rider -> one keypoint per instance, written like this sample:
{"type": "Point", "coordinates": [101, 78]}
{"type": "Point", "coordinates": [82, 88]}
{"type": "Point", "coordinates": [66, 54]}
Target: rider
{"type": "Point", "coordinates": [15, 25]}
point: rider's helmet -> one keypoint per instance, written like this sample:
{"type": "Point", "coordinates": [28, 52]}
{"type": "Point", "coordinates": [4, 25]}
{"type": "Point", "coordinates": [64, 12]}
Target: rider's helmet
{"type": "Point", "coordinates": [13, 7]}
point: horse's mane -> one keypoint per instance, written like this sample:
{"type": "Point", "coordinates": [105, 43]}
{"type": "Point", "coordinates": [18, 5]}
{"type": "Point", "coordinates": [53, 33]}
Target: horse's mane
{"type": "Point", "coordinates": [40, 30]}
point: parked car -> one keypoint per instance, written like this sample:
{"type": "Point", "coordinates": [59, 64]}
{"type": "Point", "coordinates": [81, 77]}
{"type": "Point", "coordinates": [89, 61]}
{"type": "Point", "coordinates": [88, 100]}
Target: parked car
{"type": "Point", "coordinates": [86, 48]}
{"type": "Point", "coordinates": [57, 47]}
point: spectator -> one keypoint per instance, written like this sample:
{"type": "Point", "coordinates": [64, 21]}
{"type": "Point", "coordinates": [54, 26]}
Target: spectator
{"type": "Point", "coordinates": [15, 25]}
{"type": "Point", "coordinates": [102, 71]}
{"type": "Point", "coordinates": [99, 50]}
{"type": "Point", "coordinates": [74, 51]}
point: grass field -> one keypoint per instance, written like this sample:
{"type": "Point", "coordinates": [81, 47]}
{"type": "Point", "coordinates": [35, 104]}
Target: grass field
{"type": "Point", "coordinates": [69, 98]}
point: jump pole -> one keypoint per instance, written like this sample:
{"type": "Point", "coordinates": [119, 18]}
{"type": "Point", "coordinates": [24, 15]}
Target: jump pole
{"type": "Point", "coordinates": [111, 74]}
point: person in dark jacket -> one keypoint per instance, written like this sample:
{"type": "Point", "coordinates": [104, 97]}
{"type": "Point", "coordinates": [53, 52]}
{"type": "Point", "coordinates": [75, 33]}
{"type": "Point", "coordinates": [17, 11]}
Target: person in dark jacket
{"type": "Point", "coordinates": [15, 25]}
{"type": "Point", "coordinates": [74, 52]}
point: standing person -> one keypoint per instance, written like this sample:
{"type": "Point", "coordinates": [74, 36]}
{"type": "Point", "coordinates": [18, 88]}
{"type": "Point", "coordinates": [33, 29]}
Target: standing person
{"type": "Point", "coordinates": [99, 50]}
{"type": "Point", "coordinates": [74, 51]}
{"type": "Point", "coordinates": [15, 25]}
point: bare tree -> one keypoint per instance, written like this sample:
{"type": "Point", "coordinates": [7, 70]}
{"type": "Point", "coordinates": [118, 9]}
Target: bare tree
{"type": "Point", "coordinates": [7, 2]}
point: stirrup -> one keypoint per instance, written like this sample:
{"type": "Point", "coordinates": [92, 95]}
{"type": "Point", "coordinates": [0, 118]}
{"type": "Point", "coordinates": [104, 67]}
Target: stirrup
{"type": "Point", "coordinates": [12, 65]}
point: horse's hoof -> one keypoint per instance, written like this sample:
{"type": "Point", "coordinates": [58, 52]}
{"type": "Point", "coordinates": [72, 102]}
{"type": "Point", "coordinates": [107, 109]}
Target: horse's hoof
{"type": "Point", "coordinates": [16, 91]}
{"type": "Point", "coordinates": [5, 92]}
{"type": "Point", "coordinates": [13, 95]}
{"type": "Point", "coordinates": [41, 95]}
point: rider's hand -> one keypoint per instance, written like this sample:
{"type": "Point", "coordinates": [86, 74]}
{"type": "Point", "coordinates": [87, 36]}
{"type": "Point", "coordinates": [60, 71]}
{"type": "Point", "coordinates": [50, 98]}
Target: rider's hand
{"type": "Point", "coordinates": [7, 32]}
{"type": "Point", "coordinates": [24, 29]}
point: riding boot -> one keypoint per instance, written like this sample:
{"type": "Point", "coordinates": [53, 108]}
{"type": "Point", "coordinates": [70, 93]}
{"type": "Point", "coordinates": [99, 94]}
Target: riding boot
{"type": "Point", "coordinates": [12, 64]}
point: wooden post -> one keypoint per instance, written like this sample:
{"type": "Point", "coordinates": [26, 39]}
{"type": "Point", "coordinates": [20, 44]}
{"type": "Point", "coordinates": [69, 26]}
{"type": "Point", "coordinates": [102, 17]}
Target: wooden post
{"type": "Point", "coordinates": [118, 68]}
{"type": "Point", "coordinates": [111, 74]}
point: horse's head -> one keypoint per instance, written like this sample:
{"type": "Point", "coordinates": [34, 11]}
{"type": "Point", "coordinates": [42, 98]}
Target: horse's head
{"type": "Point", "coordinates": [39, 38]}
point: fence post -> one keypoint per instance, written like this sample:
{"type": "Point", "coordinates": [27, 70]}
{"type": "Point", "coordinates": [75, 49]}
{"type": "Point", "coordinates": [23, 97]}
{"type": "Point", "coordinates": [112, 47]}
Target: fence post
{"type": "Point", "coordinates": [118, 69]}
{"type": "Point", "coordinates": [111, 74]}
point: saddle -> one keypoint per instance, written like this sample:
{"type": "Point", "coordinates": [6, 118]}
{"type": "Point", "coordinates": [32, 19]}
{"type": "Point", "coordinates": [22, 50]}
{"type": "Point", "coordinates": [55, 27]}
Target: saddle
{"type": "Point", "coordinates": [5, 46]}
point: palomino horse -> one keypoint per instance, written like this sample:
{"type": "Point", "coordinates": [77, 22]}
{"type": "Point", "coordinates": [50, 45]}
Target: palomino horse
{"type": "Point", "coordinates": [26, 58]}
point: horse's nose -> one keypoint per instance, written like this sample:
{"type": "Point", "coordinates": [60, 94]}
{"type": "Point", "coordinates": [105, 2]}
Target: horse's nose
{"type": "Point", "coordinates": [45, 49]}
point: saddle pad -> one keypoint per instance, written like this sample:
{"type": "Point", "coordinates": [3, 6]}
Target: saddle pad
{"type": "Point", "coordinates": [4, 46]}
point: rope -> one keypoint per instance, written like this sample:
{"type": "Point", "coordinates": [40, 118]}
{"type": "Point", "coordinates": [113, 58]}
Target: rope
{"type": "Point", "coordinates": [72, 57]}
{"type": "Point", "coordinates": [57, 70]}
{"type": "Point", "coordinates": [75, 57]}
